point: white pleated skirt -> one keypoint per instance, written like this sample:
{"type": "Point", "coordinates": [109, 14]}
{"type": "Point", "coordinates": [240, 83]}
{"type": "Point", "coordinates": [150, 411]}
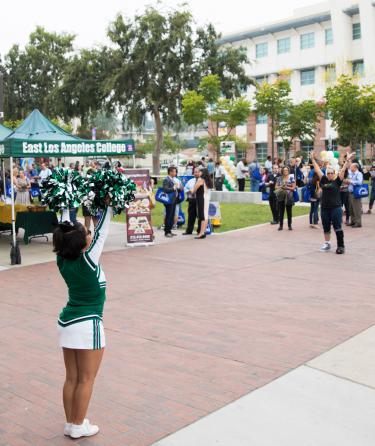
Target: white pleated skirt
{"type": "Point", "coordinates": [86, 335]}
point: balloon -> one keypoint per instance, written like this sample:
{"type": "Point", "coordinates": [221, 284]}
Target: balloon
{"type": "Point", "coordinates": [336, 154]}
{"type": "Point", "coordinates": [323, 153]}
{"type": "Point", "coordinates": [330, 155]}
{"type": "Point", "coordinates": [232, 157]}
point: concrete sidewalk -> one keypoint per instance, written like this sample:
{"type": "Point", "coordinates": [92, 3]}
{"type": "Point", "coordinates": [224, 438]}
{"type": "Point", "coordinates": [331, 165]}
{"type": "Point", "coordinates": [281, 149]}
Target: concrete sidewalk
{"type": "Point", "coordinates": [256, 319]}
{"type": "Point", "coordinates": [328, 401]}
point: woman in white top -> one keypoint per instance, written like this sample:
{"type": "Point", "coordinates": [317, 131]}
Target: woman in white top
{"type": "Point", "coordinates": [202, 192]}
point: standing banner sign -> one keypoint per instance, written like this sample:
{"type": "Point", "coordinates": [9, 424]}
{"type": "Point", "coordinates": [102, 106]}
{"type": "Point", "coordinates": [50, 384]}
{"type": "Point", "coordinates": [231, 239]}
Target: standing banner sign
{"type": "Point", "coordinates": [138, 214]}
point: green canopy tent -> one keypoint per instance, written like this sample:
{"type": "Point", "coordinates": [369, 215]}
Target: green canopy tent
{"type": "Point", "coordinates": [38, 137]}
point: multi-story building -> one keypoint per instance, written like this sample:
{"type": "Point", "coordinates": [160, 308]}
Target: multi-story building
{"type": "Point", "coordinates": [313, 48]}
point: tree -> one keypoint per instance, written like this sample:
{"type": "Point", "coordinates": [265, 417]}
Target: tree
{"type": "Point", "coordinates": [272, 100]}
{"type": "Point", "coordinates": [298, 122]}
{"type": "Point", "coordinates": [352, 109]}
{"type": "Point", "coordinates": [157, 57]}
{"type": "Point", "coordinates": [81, 90]}
{"type": "Point", "coordinates": [33, 74]}
{"type": "Point", "coordinates": [207, 105]}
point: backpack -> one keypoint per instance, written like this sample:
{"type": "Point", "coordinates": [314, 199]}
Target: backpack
{"type": "Point", "coordinates": [255, 175]}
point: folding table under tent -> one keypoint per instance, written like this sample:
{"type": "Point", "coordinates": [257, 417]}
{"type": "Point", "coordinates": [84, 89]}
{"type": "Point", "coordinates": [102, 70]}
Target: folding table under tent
{"type": "Point", "coordinates": [38, 137]}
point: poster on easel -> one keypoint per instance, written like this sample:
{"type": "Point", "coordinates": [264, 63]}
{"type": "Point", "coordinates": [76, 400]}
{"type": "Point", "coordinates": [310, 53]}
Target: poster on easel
{"type": "Point", "coordinates": [138, 215]}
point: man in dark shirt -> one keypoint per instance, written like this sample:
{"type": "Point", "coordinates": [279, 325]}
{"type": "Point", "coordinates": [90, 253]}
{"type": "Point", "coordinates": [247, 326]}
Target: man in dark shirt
{"type": "Point", "coordinates": [271, 183]}
{"type": "Point", "coordinates": [170, 187]}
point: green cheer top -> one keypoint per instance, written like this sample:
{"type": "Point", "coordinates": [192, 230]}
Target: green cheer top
{"type": "Point", "coordinates": [85, 279]}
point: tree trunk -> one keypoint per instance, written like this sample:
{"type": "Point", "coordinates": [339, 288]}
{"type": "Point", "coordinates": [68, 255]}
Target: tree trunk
{"type": "Point", "coordinates": [273, 140]}
{"type": "Point", "coordinates": [159, 142]}
{"type": "Point", "coordinates": [286, 153]}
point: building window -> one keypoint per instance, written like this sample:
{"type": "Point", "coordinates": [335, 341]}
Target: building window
{"type": "Point", "coordinates": [262, 151]}
{"type": "Point", "coordinates": [261, 119]}
{"type": "Point", "coordinates": [306, 148]}
{"type": "Point", "coordinates": [261, 50]}
{"type": "Point", "coordinates": [329, 36]}
{"type": "Point", "coordinates": [283, 45]}
{"type": "Point", "coordinates": [308, 77]}
{"type": "Point", "coordinates": [330, 73]}
{"type": "Point", "coordinates": [307, 41]}
{"type": "Point", "coordinates": [261, 79]}
{"type": "Point", "coordinates": [356, 31]}
{"type": "Point", "coordinates": [331, 144]}
{"type": "Point", "coordinates": [358, 68]}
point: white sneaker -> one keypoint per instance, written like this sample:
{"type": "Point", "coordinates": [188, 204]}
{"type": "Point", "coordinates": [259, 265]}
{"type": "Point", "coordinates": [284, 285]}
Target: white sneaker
{"type": "Point", "coordinates": [83, 430]}
{"type": "Point", "coordinates": [67, 427]}
{"type": "Point", "coordinates": [326, 247]}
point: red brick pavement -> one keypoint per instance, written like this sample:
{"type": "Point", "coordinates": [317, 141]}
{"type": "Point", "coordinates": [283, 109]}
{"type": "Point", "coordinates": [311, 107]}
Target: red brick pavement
{"type": "Point", "coordinates": [190, 327]}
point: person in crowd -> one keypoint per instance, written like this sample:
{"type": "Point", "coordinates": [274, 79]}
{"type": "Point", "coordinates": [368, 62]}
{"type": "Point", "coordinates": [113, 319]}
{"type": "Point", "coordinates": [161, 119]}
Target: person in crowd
{"type": "Point", "coordinates": [285, 187]}
{"type": "Point", "coordinates": [264, 174]}
{"type": "Point", "coordinates": [314, 189]}
{"type": "Point", "coordinates": [170, 187]}
{"type": "Point", "coordinates": [44, 173]}
{"type": "Point", "coordinates": [22, 187]}
{"type": "Point", "coordinates": [355, 178]}
{"type": "Point", "coordinates": [178, 204]}
{"type": "Point", "coordinates": [219, 176]}
{"type": "Point", "coordinates": [255, 176]}
{"type": "Point", "coordinates": [189, 168]}
{"type": "Point", "coordinates": [203, 162]}
{"type": "Point", "coordinates": [88, 218]}
{"type": "Point", "coordinates": [344, 193]}
{"type": "Point", "coordinates": [211, 168]}
{"type": "Point", "coordinates": [331, 209]}
{"type": "Point", "coordinates": [202, 190]}
{"type": "Point", "coordinates": [32, 175]}
{"type": "Point", "coordinates": [272, 200]}
{"type": "Point", "coordinates": [81, 331]}
{"type": "Point", "coordinates": [192, 203]}
{"type": "Point", "coordinates": [268, 163]}
{"type": "Point", "coordinates": [295, 169]}
{"type": "Point", "coordinates": [372, 194]}
{"type": "Point", "coordinates": [241, 172]}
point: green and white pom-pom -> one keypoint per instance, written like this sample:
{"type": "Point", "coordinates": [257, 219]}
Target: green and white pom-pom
{"type": "Point", "coordinates": [108, 183]}
{"type": "Point", "coordinates": [64, 189]}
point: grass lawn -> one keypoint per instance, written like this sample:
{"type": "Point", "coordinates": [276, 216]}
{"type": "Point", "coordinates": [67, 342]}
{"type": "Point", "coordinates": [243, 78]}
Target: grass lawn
{"type": "Point", "coordinates": [233, 215]}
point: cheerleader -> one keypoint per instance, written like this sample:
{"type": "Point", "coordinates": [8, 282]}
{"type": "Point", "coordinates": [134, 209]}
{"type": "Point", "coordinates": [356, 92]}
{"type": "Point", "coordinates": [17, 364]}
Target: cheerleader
{"type": "Point", "coordinates": [80, 323]}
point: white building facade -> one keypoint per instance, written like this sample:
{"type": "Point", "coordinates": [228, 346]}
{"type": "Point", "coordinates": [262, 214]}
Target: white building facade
{"type": "Point", "coordinates": [313, 48]}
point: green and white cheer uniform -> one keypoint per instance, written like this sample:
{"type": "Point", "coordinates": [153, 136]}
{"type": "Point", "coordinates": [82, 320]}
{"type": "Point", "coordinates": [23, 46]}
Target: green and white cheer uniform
{"type": "Point", "coordinates": [80, 322]}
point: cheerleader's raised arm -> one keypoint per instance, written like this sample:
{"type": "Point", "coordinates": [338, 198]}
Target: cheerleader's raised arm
{"type": "Point", "coordinates": [94, 251]}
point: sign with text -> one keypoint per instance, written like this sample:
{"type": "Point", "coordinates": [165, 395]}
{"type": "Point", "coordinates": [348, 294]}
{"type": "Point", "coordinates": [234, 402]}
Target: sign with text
{"type": "Point", "coordinates": [138, 214]}
{"type": "Point", "coordinates": [19, 148]}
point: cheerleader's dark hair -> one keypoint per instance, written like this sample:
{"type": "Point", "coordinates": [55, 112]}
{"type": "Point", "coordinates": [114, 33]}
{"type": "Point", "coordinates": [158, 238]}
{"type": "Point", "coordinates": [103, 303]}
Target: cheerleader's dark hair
{"type": "Point", "coordinates": [69, 239]}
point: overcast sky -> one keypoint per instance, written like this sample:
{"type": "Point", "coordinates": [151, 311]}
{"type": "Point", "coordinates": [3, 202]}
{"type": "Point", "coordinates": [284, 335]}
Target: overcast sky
{"type": "Point", "coordinates": [89, 19]}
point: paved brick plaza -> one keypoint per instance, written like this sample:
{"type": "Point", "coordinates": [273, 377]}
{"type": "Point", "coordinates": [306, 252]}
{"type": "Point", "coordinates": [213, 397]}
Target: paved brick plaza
{"type": "Point", "coordinates": [190, 327]}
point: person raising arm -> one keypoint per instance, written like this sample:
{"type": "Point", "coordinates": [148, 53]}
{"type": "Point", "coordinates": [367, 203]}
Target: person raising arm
{"type": "Point", "coordinates": [331, 210]}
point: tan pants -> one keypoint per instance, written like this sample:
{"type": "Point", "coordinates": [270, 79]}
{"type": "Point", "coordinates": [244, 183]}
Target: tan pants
{"type": "Point", "coordinates": [355, 210]}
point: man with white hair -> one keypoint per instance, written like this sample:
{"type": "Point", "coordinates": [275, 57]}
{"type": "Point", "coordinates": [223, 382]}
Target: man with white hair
{"type": "Point", "coordinates": [355, 178]}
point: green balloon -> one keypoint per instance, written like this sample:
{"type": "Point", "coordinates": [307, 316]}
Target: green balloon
{"type": "Point", "coordinates": [336, 154]}
{"type": "Point", "coordinates": [232, 157]}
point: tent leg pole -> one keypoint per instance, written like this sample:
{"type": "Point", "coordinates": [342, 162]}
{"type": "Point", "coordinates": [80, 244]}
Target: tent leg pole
{"type": "Point", "coordinates": [15, 254]}
{"type": "Point", "coordinates": [133, 161]}
{"type": "Point", "coordinates": [4, 182]}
